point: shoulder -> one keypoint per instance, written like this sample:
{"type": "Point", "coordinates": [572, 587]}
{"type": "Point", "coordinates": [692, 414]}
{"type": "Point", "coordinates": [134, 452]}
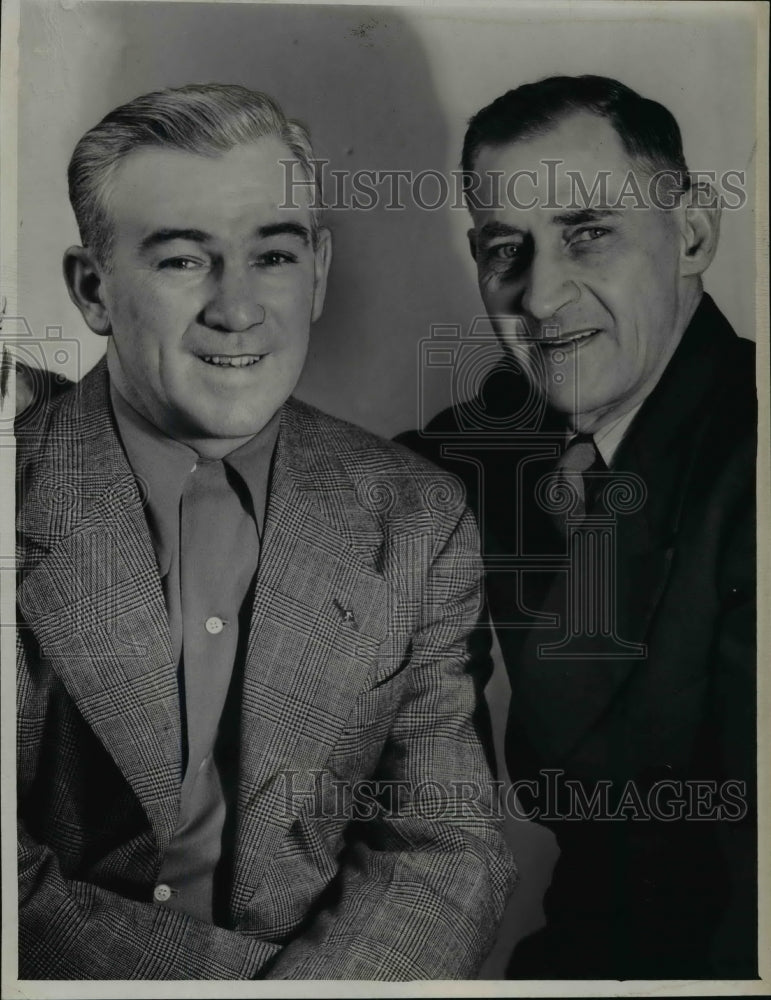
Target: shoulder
{"type": "Point", "coordinates": [67, 449]}
{"type": "Point", "coordinates": [61, 416]}
{"type": "Point", "coordinates": [348, 466]}
{"type": "Point", "coordinates": [706, 399]}
{"type": "Point", "coordinates": [718, 445]}
{"type": "Point", "coordinates": [730, 409]}
{"type": "Point", "coordinates": [39, 427]}
{"type": "Point", "coordinates": [332, 440]}
{"type": "Point", "coordinates": [732, 357]}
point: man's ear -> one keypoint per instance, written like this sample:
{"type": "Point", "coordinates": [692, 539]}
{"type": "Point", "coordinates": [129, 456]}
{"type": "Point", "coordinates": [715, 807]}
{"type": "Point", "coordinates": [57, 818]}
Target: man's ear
{"type": "Point", "coordinates": [700, 228]}
{"type": "Point", "coordinates": [472, 242]}
{"type": "Point", "coordinates": [83, 277]}
{"type": "Point", "coordinates": [322, 259]}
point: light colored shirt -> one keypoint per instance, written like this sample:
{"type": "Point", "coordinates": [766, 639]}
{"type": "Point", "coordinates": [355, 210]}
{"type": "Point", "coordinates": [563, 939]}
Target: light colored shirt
{"type": "Point", "coordinates": [205, 520]}
{"type": "Point", "coordinates": [610, 436]}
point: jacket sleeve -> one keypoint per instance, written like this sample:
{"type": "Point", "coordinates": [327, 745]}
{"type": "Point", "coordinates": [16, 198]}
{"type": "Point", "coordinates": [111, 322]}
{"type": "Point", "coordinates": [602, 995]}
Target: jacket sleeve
{"type": "Point", "coordinates": [75, 930]}
{"type": "Point", "coordinates": [424, 881]}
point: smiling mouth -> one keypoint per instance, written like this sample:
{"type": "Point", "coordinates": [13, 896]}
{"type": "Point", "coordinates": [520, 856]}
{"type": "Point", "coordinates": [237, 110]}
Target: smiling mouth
{"type": "Point", "coordinates": [572, 339]}
{"type": "Point", "coordinates": [230, 361]}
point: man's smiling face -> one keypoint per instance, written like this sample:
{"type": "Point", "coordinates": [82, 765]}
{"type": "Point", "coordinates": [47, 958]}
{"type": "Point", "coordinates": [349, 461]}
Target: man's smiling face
{"type": "Point", "coordinates": [211, 288]}
{"type": "Point", "coordinates": [601, 292]}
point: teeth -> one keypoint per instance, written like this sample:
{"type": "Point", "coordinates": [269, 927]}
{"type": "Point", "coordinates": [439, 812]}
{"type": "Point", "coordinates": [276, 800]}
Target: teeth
{"type": "Point", "coordinates": [577, 338]}
{"type": "Point", "coordinates": [224, 361]}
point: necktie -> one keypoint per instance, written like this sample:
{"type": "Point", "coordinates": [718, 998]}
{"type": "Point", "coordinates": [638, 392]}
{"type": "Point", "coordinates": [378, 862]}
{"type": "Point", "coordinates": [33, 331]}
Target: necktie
{"type": "Point", "coordinates": [579, 458]}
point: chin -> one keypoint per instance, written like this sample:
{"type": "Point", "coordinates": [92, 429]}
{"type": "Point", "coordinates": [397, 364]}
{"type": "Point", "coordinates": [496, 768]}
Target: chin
{"type": "Point", "coordinates": [229, 416]}
{"type": "Point", "coordinates": [233, 431]}
{"type": "Point", "coordinates": [563, 402]}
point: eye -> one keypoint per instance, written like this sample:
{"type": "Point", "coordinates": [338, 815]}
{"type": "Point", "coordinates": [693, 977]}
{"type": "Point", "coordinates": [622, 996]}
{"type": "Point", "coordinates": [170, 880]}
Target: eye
{"type": "Point", "coordinates": [275, 258]}
{"type": "Point", "coordinates": [588, 234]}
{"type": "Point", "coordinates": [180, 264]}
{"type": "Point", "coordinates": [505, 251]}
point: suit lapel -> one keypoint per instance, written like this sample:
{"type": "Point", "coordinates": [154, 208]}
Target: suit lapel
{"type": "Point", "coordinates": [557, 700]}
{"type": "Point", "coordinates": [320, 613]}
{"type": "Point", "coordinates": [94, 599]}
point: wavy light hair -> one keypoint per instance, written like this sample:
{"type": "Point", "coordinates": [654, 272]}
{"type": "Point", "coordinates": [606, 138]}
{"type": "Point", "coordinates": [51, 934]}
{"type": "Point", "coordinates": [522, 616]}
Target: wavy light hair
{"type": "Point", "coordinates": [208, 119]}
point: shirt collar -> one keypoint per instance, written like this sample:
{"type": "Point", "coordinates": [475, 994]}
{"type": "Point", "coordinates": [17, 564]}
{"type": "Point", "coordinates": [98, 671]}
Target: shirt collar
{"type": "Point", "coordinates": [609, 437]}
{"type": "Point", "coordinates": [161, 466]}
{"type": "Point", "coordinates": [252, 461]}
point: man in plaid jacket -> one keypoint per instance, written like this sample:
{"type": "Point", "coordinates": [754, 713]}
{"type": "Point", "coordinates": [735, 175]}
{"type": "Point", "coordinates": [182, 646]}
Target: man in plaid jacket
{"type": "Point", "coordinates": [250, 724]}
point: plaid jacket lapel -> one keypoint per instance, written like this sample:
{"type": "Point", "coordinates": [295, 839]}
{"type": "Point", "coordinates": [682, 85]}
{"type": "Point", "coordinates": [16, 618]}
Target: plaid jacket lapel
{"type": "Point", "coordinates": [320, 614]}
{"type": "Point", "coordinates": [94, 600]}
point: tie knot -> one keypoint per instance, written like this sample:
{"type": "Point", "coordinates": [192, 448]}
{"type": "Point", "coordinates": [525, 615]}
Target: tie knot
{"type": "Point", "coordinates": [580, 455]}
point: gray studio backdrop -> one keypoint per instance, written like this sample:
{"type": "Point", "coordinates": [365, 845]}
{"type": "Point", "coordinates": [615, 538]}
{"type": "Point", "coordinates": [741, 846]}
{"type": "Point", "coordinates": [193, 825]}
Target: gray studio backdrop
{"type": "Point", "coordinates": [382, 88]}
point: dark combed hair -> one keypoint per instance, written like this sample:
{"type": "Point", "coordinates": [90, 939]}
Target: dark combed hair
{"type": "Point", "coordinates": [647, 130]}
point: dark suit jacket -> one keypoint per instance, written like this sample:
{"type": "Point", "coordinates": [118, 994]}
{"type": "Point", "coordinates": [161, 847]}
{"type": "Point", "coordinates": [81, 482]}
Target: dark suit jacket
{"type": "Point", "coordinates": [670, 696]}
{"type": "Point", "coordinates": [361, 666]}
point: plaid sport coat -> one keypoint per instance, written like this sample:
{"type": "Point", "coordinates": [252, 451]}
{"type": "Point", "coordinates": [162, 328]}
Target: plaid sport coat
{"type": "Point", "coordinates": [365, 840]}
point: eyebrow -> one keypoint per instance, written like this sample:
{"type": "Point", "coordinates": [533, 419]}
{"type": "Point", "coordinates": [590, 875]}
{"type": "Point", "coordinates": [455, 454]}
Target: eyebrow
{"type": "Point", "coordinates": [285, 229]}
{"type": "Point", "coordinates": [159, 236]}
{"type": "Point", "coordinates": [582, 215]}
{"type": "Point", "coordinates": [167, 235]}
{"type": "Point", "coordinates": [492, 229]}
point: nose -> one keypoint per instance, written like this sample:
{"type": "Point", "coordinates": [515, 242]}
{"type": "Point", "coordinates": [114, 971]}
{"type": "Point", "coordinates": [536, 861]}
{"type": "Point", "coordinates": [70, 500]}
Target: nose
{"type": "Point", "coordinates": [233, 305]}
{"type": "Point", "coordinates": [548, 285]}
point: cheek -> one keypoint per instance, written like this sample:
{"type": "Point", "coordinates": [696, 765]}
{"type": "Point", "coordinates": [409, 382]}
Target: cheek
{"type": "Point", "coordinates": [291, 311]}
{"type": "Point", "coordinates": [143, 339]}
{"type": "Point", "coordinates": [298, 302]}
{"type": "Point", "coordinates": [129, 308]}
{"type": "Point", "coordinates": [638, 292]}
{"type": "Point", "coordinates": [491, 290]}
{"type": "Point", "coordinates": [660, 265]}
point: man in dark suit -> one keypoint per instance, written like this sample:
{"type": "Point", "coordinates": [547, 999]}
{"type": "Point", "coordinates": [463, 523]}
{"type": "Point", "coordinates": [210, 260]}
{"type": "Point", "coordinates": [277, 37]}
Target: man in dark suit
{"type": "Point", "coordinates": [249, 683]}
{"type": "Point", "coordinates": [610, 459]}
